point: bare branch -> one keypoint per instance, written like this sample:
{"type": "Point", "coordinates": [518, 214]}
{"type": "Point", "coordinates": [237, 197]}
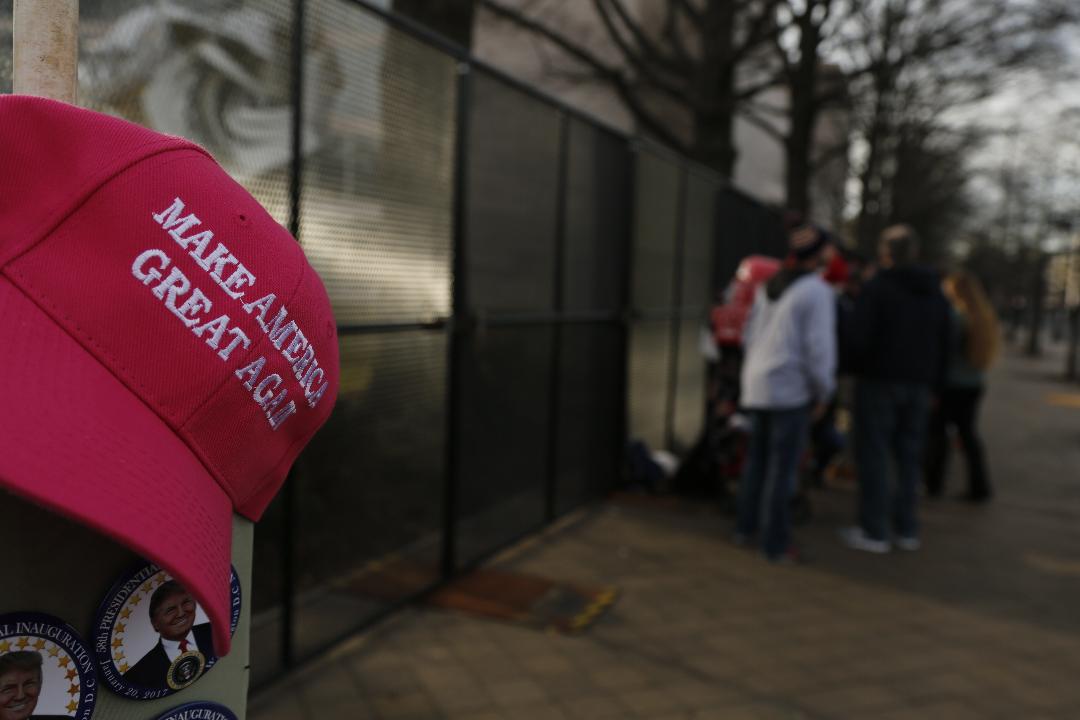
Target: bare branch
{"type": "Point", "coordinates": [674, 37]}
{"type": "Point", "coordinates": [635, 59]}
{"type": "Point", "coordinates": [828, 155]}
{"type": "Point", "coordinates": [620, 83]}
{"type": "Point", "coordinates": [649, 50]}
{"type": "Point", "coordinates": [646, 119]}
{"type": "Point", "coordinates": [786, 66]}
{"type": "Point", "coordinates": [572, 49]}
{"type": "Point", "coordinates": [691, 12]}
{"type": "Point", "coordinates": [768, 109]}
{"type": "Point", "coordinates": [762, 124]}
{"type": "Point", "coordinates": [763, 28]}
{"type": "Point", "coordinates": [749, 91]}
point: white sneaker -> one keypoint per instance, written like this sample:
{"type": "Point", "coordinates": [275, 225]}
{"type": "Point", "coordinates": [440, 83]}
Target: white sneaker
{"type": "Point", "coordinates": [910, 544]}
{"type": "Point", "coordinates": [857, 539]}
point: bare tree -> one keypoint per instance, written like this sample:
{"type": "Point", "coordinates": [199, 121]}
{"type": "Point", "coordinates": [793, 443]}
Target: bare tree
{"type": "Point", "coordinates": [929, 185]}
{"type": "Point", "coordinates": [915, 59]}
{"type": "Point", "coordinates": [804, 30]}
{"type": "Point", "coordinates": [704, 59]}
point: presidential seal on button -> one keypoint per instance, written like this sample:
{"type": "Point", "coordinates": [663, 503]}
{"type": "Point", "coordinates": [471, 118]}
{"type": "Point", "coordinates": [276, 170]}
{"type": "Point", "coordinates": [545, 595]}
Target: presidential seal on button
{"type": "Point", "coordinates": [46, 670]}
{"type": "Point", "coordinates": [151, 637]}
{"type": "Point", "coordinates": [199, 711]}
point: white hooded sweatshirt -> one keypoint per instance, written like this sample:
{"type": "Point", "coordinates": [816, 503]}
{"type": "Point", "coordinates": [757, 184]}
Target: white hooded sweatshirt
{"type": "Point", "coordinates": [790, 344]}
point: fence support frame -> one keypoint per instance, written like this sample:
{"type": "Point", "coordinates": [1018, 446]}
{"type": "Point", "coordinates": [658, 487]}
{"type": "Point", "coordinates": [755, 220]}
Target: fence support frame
{"type": "Point", "coordinates": [676, 308]}
{"type": "Point", "coordinates": [457, 326]}
{"type": "Point", "coordinates": [296, 171]}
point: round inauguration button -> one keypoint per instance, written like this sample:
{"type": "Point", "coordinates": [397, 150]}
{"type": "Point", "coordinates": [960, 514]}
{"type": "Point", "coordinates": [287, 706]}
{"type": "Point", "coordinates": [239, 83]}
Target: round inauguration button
{"type": "Point", "coordinates": [151, 637]}
{"type": "Point", "coordinates": [46, 670]}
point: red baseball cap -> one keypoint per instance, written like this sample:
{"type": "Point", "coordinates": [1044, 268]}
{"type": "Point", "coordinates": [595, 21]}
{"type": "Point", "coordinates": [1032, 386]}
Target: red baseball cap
{"type": "Point", "coordinates": [167, 350]}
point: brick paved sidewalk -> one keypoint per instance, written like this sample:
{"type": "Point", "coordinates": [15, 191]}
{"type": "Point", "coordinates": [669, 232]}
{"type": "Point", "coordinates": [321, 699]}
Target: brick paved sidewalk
{"type": "Point", "coordinates": [984, 622]}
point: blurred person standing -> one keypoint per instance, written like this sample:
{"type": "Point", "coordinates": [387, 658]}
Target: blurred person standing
{"type": "Point", "coordinates": [974, 344]}
{"type": "Point", "coordinates": [788, 377]}
{"type": "Point", "coordinates": [899, 337]}
{"type": "Point", "coordinates": [843, 274]}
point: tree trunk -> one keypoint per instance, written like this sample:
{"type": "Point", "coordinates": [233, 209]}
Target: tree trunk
{"type": "Point", "coordinates": [870, 195]}
{"type": "Point", "coordinates": [872, 213]}
{"type": "Point", "coordinates": [714, 129]}
{"type": "Point", "coordinates": [713, 144]}
{"type": "Point", "coordinates": [1038, 298]}
{"type": "Point", "coordinates": [797, 150]}
{"type": "Point", "coordinates": [804, 115]}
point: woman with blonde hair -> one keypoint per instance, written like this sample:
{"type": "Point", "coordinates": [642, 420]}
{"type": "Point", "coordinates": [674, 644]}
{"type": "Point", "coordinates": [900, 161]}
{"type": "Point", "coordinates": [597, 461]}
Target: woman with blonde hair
{"type": "Point", "coordinates": [974, 347]}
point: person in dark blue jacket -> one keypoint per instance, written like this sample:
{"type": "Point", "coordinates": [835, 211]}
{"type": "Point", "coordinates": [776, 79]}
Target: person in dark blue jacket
{"type": "Point", "coordinates": [899, 340]}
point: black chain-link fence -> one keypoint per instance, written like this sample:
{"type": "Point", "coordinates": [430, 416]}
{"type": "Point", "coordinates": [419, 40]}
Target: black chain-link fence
{"type": "Point", "coordinates": [519, 290]}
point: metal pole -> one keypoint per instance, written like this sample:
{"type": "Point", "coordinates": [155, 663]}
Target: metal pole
{"type": "Point", "coordinates": [676, 310]}
{"type": "Point", "coordinates": [45, 47]}
{"type": "Point", "coordinates": [457, 325]}
{"type": "Point", "coordinates": [288, 537]}
{"type": "Point", "coordinates": [627, 189]}
{"type": "Point", "coordinates": [555, 368]}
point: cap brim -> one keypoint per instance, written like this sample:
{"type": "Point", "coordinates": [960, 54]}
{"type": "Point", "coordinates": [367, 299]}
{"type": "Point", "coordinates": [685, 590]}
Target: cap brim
{"type": "Point", "coordinates": [74, 439]}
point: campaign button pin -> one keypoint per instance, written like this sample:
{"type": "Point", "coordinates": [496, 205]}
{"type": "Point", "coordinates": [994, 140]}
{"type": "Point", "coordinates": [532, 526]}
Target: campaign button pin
{"type": "Point", "coordinates": [151, 638]}
{"type": "Point", "coordinates": [46, 670]}
{"type": "Point", "coordinates": [199, 711]}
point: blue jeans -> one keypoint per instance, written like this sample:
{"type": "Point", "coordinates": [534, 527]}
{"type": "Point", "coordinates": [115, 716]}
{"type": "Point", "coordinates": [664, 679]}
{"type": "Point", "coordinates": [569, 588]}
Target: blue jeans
{"type": "Point", "coordinates": [777, 439]}
{"type": "Point", "coordinates": [890, 424]}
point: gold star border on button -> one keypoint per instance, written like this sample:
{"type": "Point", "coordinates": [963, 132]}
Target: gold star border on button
{"type": "Point", "coordinates": [66, 663]}
{"type": "Point", "coordinates": [143, 592]}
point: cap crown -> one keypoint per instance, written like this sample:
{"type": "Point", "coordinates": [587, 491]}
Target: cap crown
{"type": "Point", "coordinates": [176, 280]}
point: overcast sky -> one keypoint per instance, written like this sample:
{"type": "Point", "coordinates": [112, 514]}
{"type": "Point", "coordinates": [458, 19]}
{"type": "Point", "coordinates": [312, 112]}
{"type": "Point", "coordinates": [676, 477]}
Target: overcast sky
{"type": "Point", "coordinates": [1036, 135]}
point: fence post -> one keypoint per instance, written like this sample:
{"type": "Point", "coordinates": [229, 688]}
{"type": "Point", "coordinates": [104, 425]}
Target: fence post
{"type": "Point", "coordinates": [555, 369]}
{"type": "Point", "coordinates": [626, 305]}
{"type": "Point", "coordinates": [296, 170]}
{"type": "Point", "coordinates": [459, 315]}
{"type": "Point", "coordinates": [676, 309]}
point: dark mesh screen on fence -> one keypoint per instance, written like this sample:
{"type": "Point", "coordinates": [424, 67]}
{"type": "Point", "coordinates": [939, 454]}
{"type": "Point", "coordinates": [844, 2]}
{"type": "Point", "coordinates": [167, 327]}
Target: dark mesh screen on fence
{"type": "Point", "coordinates": [268, 588]}
{"type": "Point", "coordinates": [591, 363]}
{"type": "Point", "coordinates": [650, 363]}
{"type": "Point", "coordinates": [698, 243]}
{"type": "Point", "coordinates": [690, 381]}
{"type": "Point", "coordinates": [376, 224]}
{"type": "Point", "coordinates": [597, 220]}
{"type": "Point", "coordinates": [371, 483]}
{"type": "Point", "coordinates": [513, 156]}
{"type": "Point", "coordinates": [656, 210]}
{"type": "Point", "coordinates": [657, 197]}
{"type": "Point", "coordinates": [696, 287]}
{"type": "Point", "coordinates": [590, 395]}
{"type": "Point", "coordinates": [503, 425]}
{"type": "Point", "coordinates": [743, 227]}
{"type": "Point", "coordinates": [377, 200]}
